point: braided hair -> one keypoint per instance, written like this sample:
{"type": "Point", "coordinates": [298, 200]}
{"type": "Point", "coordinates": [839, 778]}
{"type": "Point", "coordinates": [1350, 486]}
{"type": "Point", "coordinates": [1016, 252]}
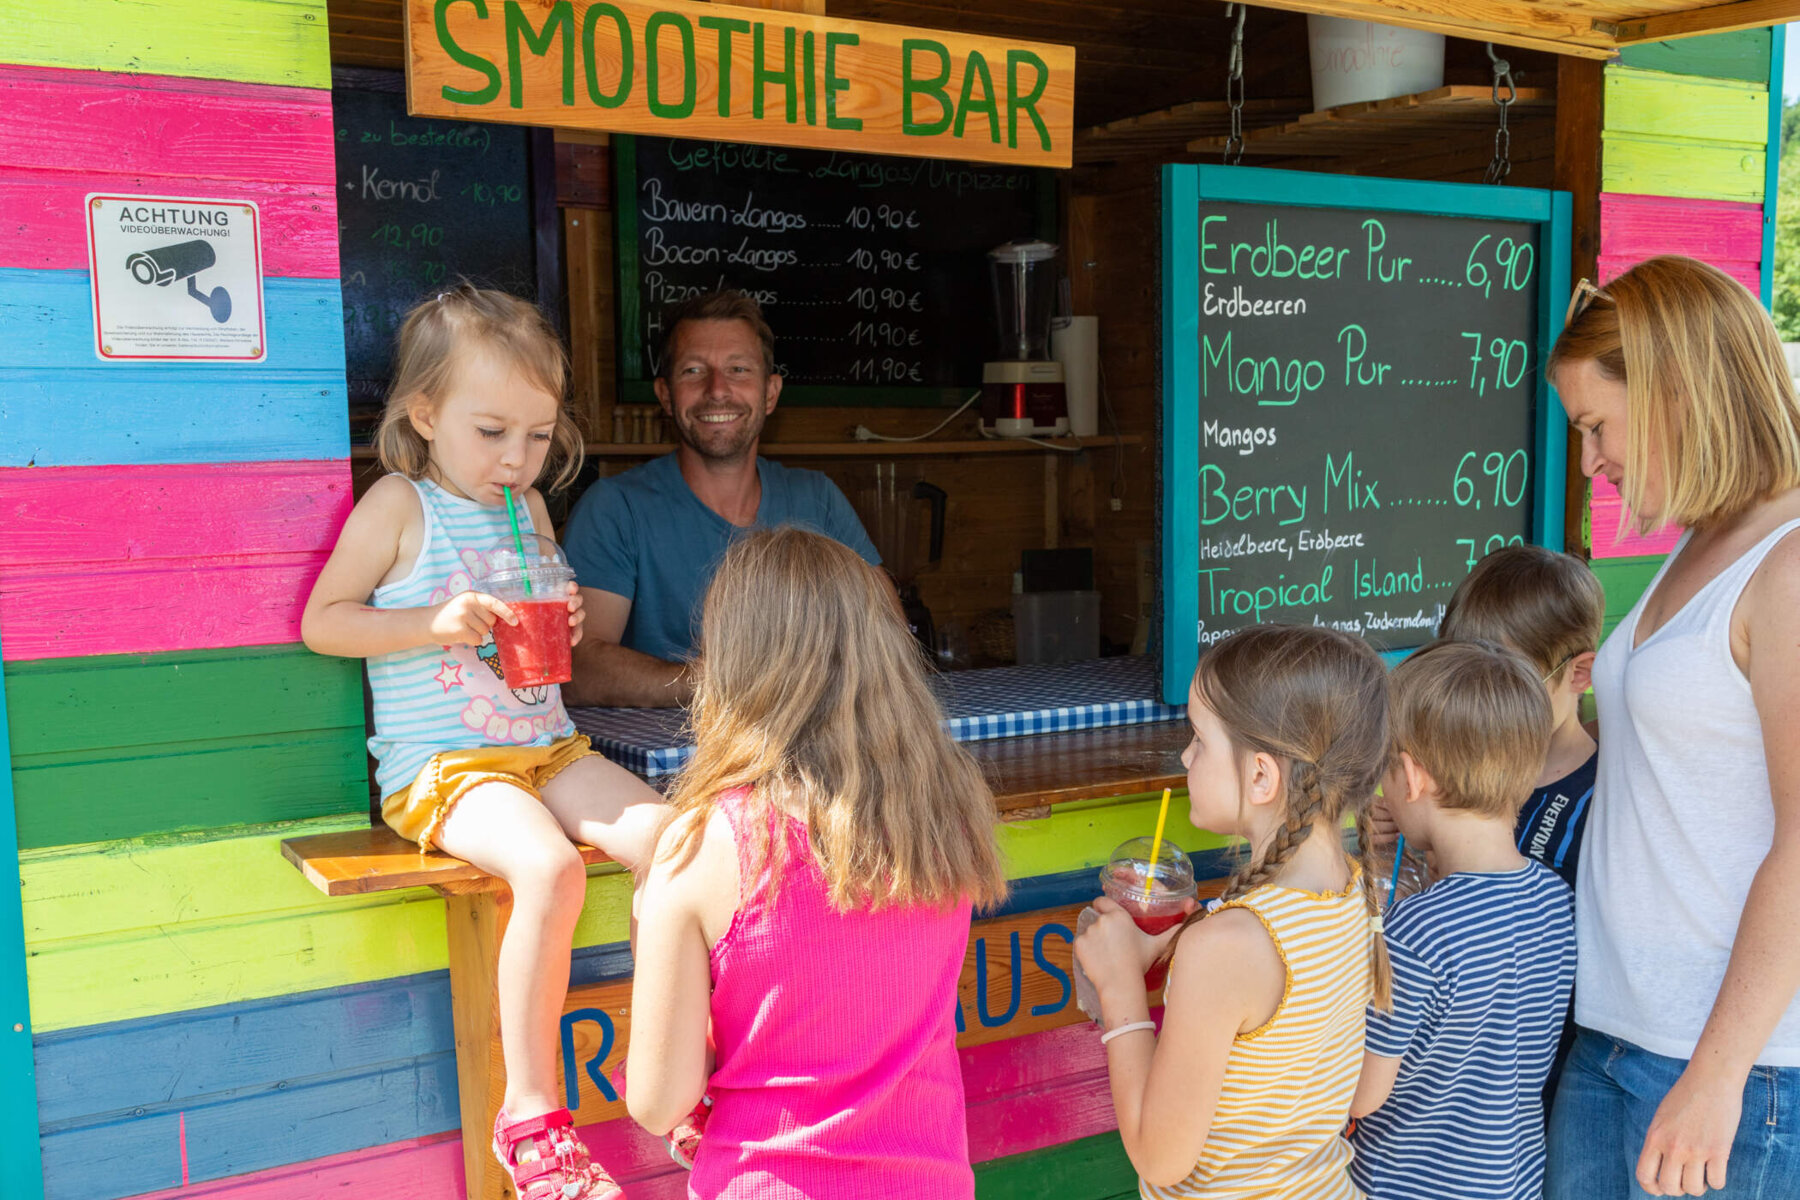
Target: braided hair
{"type": "Point", "coordinates": [1316, 699]}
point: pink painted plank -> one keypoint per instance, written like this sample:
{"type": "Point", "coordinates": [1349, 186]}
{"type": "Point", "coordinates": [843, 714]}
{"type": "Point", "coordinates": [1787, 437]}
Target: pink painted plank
{"type": "Point", "coordinates": [43, 225]}
{"type": "Point", "coordinates": [86, 121]}
{"type": "Point", "coordinates": [140, 559]}
{"type": "Point", "coordinates": [418, 1169]}
{"type": "Point", "coordinates": [1613, 535]}
{"type": "Point", "coordinates": [1637, 227]}
{"type": "Point", "coordinates": [1747, 273]}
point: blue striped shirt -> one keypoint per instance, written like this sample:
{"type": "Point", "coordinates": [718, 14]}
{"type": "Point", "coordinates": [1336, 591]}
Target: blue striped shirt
{"type": "Point", "coordinates": [1483, 966]}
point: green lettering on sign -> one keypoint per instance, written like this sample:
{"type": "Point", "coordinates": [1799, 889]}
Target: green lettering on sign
{"type": "Point", "coordinates": [561, 20]}
{"type": "Point", "coordinates": [588, 21]}
{"type": "Point", "coordinates": [464, 58]}
{"type": "Point", "coordinates": [761, 76]}
{"type": "Point", "coordinates": [977, 69]}
{"type": "Point", "coordinates": [834, 83]}
{"type": "Point", "coordinates": [1028, 102]}
{"type": "Point", "coordinates": [724, 27]}
{"type": "Point", "coordinates": [933, 87]}
{"type": "Point", "coordinates": [684, 107]}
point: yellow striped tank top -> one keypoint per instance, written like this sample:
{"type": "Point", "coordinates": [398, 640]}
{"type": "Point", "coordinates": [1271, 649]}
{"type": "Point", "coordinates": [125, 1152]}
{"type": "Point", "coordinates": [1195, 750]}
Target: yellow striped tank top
{"type": "Point", "coordinates": [1278, 1130]}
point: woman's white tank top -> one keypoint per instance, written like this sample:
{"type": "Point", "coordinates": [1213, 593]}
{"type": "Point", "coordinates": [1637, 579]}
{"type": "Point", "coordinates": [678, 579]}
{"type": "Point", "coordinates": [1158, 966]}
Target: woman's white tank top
{"type": "Point", "coordinates": [1682, 819]}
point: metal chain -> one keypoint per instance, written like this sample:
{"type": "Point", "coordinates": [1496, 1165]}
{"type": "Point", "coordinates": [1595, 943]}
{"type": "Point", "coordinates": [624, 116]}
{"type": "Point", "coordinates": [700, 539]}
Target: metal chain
{"type": "Point", "coordinates": [1234, 88]}
{"type": "Point", "coordinates": [1501, 166]}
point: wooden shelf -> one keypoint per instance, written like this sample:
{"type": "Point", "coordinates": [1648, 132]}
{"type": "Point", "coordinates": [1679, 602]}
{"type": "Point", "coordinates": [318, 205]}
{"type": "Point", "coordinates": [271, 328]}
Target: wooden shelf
{"type": "Point", "coordinates": [1166, 133]}
{"type": "Point", "coordinates": [1352, 129]}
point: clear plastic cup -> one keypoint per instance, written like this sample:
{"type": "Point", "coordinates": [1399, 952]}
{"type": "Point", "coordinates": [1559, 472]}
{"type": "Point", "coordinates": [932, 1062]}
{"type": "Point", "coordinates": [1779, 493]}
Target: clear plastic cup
{"type": "Point", "coordinates": [1154, 893]}
{"type": "Point", "coordinates": [536, 651]}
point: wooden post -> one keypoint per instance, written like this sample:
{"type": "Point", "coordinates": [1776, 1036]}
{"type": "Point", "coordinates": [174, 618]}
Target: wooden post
{"type": "Point", "coordinates": [476, 921]}
{"type": "Point", "coordinates": [1580, 113]}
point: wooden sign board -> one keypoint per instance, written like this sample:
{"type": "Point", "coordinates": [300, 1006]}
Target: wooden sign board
{"type": "Point", "coordinates": [1017, 979]}
{"type": "Point", "coordinates": [711, 71]}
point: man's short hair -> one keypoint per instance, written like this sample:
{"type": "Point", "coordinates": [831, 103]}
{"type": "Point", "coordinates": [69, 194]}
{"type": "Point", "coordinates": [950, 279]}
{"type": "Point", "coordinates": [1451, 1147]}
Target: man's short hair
{"type": "Point", "coordinates": [1475, 716]}
{"type": "Point", "coordinates": [1547, 606]}
{"type": "Point", "coordinates": [726, 305]}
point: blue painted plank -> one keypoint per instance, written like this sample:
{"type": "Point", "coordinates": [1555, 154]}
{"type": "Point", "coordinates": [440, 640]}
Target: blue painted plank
{"type": "Point", "coordinates": [60, 406]}
{"type": "Point", "coordinates": [20, 1165]}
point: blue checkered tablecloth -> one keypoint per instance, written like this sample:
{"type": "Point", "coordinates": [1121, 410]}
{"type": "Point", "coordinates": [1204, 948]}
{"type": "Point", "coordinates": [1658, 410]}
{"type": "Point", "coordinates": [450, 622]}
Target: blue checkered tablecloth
{"type": "Point", "coordinates": [997, 703]}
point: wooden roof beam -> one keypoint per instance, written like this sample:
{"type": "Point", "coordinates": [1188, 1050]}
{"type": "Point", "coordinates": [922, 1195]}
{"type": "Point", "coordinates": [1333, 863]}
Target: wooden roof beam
{"type": "Point", "coordinates": [1720, 18]}
{"type": "Point", "coordinates": [1512, 24]}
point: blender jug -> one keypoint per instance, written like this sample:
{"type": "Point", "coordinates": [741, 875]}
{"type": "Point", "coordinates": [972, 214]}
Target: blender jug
{"type": "Point", "coordinates": [890, 510]}
{"type": "Point", "coordinates": [1022, 390]}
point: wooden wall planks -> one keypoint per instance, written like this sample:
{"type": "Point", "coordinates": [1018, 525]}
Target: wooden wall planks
{"type": "Point", "coordinates": [251, 41]}
{"type": "Point", "coordinates": [59, 406]}
{"type": "Point", "coordinates": [1740, 55]}
{"type": "Point", "coordinates": [1613, 537]}
{"type": "Point", "coordinates": [1682, 135]}
{"type": "Point", "coordinates": [141, 559]}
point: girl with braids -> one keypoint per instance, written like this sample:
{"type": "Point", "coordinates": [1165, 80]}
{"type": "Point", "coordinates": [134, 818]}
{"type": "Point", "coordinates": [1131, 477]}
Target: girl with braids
{"type": "Point", "coordinates": [1246, 1090]}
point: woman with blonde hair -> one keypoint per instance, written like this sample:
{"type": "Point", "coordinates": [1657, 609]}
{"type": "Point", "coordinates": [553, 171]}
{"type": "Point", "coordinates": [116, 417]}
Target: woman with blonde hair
{"type": "Point", "coordinates": [811, 896]}
{"type": "Point", "coordinates": [1685, 1074]}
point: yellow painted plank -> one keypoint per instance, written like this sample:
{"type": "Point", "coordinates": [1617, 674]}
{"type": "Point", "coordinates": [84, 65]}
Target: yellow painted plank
{"type": "Point", "coordinates": [1656, 104]}
{"type": "Point", "coordinates": [250, 41]}
{"type": "Point", "coordinates": [1675, 167]}
{"type": "Point", "coordinates": [187, 921]}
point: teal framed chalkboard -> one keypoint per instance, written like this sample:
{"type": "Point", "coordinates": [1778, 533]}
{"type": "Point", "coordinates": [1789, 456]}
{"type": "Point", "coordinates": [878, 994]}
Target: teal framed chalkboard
{"type": "Point", "coordinates": [21, 1163]}
{"type": "Point", "coordinates": [872, 270]}
{"type": "Point", "coordinates": [1354, 408]}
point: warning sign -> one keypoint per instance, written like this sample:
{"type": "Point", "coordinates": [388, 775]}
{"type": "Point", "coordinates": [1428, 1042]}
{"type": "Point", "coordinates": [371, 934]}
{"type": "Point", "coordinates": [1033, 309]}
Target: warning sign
{"type": "Point", "coordinates": [176, 280]}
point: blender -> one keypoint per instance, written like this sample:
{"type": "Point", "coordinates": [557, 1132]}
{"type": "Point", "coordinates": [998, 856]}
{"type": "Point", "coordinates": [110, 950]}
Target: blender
{"type": "Point", "coordinates": [890, 510]}
{"type": "Point", "coordinates": [1022, 392]}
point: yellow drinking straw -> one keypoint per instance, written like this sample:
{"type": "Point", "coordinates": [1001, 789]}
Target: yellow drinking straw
{"type": "Point", "coordinates": [1162, 816]}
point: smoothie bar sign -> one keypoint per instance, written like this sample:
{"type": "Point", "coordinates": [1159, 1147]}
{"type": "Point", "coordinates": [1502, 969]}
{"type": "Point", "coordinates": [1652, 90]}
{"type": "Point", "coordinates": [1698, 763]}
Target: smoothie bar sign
{"type": "Point", "coordinates": [742, 75]}
{"type": "Point", "coordinates": [1358, 394]}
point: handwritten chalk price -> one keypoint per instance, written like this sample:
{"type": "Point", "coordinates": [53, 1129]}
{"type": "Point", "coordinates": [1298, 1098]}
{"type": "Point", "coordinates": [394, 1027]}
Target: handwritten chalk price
{"type": "Point", "coordinates": [1513, 263]}
{"type": "Point", "coordinates": [1498, 466]}
{"type": "Point", "coordinates": [1507, 359]}
{"type": "Point", "coordinates": [1493, 543]}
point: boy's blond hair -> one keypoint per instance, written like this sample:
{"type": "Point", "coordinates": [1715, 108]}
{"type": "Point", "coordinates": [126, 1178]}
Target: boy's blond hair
{"type": "Point", "coordinates": [1475, 717]}
{"type": "Point", "coordinates": [1547, 606]}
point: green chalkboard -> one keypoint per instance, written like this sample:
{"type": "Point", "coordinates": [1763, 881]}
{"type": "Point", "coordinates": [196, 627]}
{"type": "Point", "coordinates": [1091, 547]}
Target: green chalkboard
{"type": "Point", "coordinates": [872, 270]}
{"type": "Point", "coordinates": [1354, 403]}
{"type": "Point", "coordinates": [420, 203]}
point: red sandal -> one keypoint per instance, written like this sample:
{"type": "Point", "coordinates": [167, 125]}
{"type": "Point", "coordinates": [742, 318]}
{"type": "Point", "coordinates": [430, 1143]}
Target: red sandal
{"type": "Point", "coordinates": [683, 1140]}
{"type": "Point", "coordinates": [562, 1169]}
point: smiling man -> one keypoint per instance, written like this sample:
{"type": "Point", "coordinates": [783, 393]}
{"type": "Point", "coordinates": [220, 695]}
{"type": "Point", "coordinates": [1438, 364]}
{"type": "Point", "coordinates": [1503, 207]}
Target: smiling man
{"type": "Point", "coordinates": [644, 544]}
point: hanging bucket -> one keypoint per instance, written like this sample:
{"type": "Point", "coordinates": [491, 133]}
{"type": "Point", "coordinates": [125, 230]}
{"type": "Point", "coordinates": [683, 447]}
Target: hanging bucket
{"type": "Point", "coordinates": [1354, 61]}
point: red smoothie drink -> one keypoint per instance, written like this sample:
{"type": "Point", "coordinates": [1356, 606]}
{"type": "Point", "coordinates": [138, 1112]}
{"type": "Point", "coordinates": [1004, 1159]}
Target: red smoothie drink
{"type": "Point", "coordinates": [536, 650]}
{"type": "Point", "coordinates": [1155, 898]}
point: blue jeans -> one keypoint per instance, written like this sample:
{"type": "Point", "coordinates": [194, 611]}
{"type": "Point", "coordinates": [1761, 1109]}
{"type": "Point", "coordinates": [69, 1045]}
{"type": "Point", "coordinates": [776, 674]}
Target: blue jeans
{"type": "Point", "coordinates": [1609, 1092]}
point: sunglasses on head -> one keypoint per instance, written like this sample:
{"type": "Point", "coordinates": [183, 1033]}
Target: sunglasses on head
{"type": "Point", "coordinates": [1585, 294]}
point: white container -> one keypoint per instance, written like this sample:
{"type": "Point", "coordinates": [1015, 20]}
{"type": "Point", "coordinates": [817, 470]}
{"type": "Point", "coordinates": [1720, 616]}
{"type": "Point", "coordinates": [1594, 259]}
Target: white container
{"type": "Point", "coordinates": [1075, 343]}
{"type": "Point", "coordinates": [1354, 61]}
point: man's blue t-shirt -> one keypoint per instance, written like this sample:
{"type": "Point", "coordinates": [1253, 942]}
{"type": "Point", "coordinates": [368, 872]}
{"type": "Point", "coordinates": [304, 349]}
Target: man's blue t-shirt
{"type": "Point", "coordinates": [644, 535]}
{"type": "Point", "coordinates": [1483, 965]}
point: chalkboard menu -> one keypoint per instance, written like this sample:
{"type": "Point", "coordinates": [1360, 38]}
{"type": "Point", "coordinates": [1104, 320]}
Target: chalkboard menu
{"type": "Point", "coordinates": [420, 203]}
{"type": "Point", "coordinates": [1355, 396]}
{"type": "Point", "coordinates": [872, 270]}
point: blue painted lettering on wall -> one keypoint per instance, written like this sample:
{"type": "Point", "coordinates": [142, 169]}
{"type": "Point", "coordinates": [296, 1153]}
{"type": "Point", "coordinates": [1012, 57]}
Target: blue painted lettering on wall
{"type": "Point", "coordinates": [1015, 982]}
{"type": "Point", "coordinates": [572, 1082]}
{"type": "Point", "coordinates": [1051, 969]}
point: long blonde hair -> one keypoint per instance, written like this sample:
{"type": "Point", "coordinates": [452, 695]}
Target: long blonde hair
{"type": "Point", "coordinates": [811, 692]}
{"type": "Point", "coordinates": [1706, 385]}
{"type": "Point", "coordinates": [425, 357]}
{"type": "Point", "coordinates": [1317, 700]}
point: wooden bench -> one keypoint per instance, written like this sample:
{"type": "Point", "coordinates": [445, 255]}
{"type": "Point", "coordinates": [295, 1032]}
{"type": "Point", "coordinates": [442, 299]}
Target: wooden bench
{"type": "Point", "coordinates": [1029, 776]}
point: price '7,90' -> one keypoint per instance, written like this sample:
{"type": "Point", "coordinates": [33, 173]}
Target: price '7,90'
{"type": "Point", "coordinates": [1502, 469]}
{"type": "Point", "coordinates": [1508, 359]}
{"type": "Point", "coordinates": [1493, 543]}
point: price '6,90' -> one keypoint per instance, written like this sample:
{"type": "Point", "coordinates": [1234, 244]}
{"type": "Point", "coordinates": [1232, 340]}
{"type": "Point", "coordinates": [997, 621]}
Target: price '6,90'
{"type": "Point", "coordinates": [1512, 262]}
{"type": "Point", "coordinates": [1510, 473]}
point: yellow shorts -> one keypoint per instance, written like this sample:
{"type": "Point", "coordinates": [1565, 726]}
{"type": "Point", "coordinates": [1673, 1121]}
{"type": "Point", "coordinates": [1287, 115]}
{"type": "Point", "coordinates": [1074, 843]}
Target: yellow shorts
{"type": "Point", "coordinates": [417, 811]}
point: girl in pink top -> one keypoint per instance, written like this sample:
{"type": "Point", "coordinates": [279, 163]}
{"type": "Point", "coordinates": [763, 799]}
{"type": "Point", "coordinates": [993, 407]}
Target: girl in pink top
{"type": "Point", "coordinates": [811, 896]}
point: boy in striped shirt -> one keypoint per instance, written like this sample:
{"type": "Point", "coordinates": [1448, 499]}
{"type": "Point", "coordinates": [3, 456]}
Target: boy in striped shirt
{"type": "Point", "coordinates": [1450, 1102]}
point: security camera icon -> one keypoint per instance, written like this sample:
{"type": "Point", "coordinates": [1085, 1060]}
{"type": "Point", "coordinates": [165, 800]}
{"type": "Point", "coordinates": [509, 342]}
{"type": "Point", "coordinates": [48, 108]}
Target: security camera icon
{"type": "Point", "coordinates": [181, 260]}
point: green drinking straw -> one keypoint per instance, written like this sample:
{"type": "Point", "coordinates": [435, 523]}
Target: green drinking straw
{"type": "Point", "coordinates": [512, 514]}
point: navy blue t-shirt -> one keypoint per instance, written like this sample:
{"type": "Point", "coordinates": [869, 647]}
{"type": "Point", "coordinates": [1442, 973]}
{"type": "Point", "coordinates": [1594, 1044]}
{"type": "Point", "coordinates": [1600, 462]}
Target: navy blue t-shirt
{"type": "Point", "coordinates": [1551, 822]}
{"type": "Point", "coordinates": [1483, 964]}
{"type": "Point", "coordinates": [644, 535]}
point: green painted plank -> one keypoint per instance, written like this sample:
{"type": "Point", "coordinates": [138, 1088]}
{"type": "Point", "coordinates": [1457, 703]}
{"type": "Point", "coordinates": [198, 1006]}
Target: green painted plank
{"type": "Point", "coordinates": [66, 705]}
{"type": "Point", "coordinates": [189, 920]}
{"type": "Point", "coordinates": [1090, 1168]}
{"type": "Point", "coordinates": [21, 1163]}
{"type": "Point", "coordinates": [251, 41]}
{"type": "Point", "coordinates": [1656, 104]}
{"type": "Point", "coordinates": [1673, 167]}
{"type": "Point", "coordinates": [1624, 580]}
{"type": "Point", "coordinates": [127, 746]}
{"type": "Point", "coordinates": [1743, 54]}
